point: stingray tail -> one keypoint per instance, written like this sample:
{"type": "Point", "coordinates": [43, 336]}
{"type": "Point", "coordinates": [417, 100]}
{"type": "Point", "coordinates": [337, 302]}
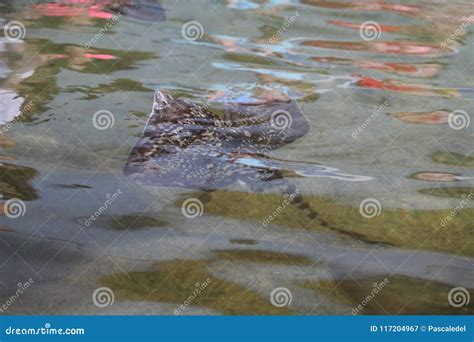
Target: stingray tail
{"type": "Point", "coordinates": [293, 193]}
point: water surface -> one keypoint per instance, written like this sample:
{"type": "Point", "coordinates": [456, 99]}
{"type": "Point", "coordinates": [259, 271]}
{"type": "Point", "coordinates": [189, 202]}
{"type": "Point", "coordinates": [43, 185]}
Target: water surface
{"type": "Point", "coordinates": [379, 106]}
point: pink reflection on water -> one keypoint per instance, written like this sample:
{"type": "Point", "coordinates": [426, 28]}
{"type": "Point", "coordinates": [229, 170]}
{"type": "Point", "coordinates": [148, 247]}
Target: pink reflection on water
{"type": "Point", "coordinates": [356, 26]}
{"type": "Point", "coordinates": [364, 6]}
{"type": "Point", "coordinates": [437, 176]}
{"type": "Point", "coordinates": [407, 88]}
{"type": "Point", "coordinates": [67, 10]}
{"type": "Point", "coordinates": [97, 12]}
{"type": "Point", "coordinates": [99, 56]}
{"type": "Point", "coordinates": [390, 47]}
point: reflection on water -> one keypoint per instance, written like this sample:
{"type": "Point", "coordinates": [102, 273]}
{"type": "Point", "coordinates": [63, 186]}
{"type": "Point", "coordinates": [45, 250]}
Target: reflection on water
{"type": "Point", "coordinates": [15, 182]}
{"type": "Point", "coordinates": [437, 176]}
{"type": "Point", "coordinates": [432, 118]}
{"type": "Point", "coordinates": [390, 103]}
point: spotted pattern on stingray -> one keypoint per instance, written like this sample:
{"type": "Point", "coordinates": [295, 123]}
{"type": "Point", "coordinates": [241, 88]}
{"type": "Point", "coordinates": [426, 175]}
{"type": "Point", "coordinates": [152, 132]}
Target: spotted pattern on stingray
{"type": "Point", "coordinates": [186, 145]}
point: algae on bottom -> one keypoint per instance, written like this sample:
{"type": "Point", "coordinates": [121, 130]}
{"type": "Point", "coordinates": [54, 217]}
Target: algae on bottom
{"type": "Point", "coordinates": [176, 280]}
{"type": "Point", "coordinates": [414, 229]}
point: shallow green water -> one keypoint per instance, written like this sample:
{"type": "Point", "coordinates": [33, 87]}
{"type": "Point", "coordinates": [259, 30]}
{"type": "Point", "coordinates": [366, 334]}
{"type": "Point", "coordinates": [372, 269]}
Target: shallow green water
{"type": "Point", "coordinates": [395, 109]}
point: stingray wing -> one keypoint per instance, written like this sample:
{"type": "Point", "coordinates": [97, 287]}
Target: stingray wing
{"type": "Point", "coordinates": [272, 123]}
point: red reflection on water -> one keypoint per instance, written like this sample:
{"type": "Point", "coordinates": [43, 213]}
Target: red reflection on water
{"type": "Point", "coordinates": [418, 70]}
{"type": "Point", "coordinates": [384, 28]}
{"type": "Point", "coordinates": [392, 47]}
{"type": "Point", "coordinates": [364, 6]}
{"type": "Point", "coordinates": [402, 68]}
{"type": "Point", "coordinates": [408, 88]}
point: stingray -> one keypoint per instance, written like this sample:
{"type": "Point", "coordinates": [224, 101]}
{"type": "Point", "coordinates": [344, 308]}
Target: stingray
{"type": "Point", "coordinates": [186, 145]}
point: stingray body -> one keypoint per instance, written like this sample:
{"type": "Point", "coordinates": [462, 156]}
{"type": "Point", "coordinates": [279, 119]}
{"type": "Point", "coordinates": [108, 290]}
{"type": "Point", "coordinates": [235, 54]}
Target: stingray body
{"type": "Point", "coordinates": [186, 145]}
